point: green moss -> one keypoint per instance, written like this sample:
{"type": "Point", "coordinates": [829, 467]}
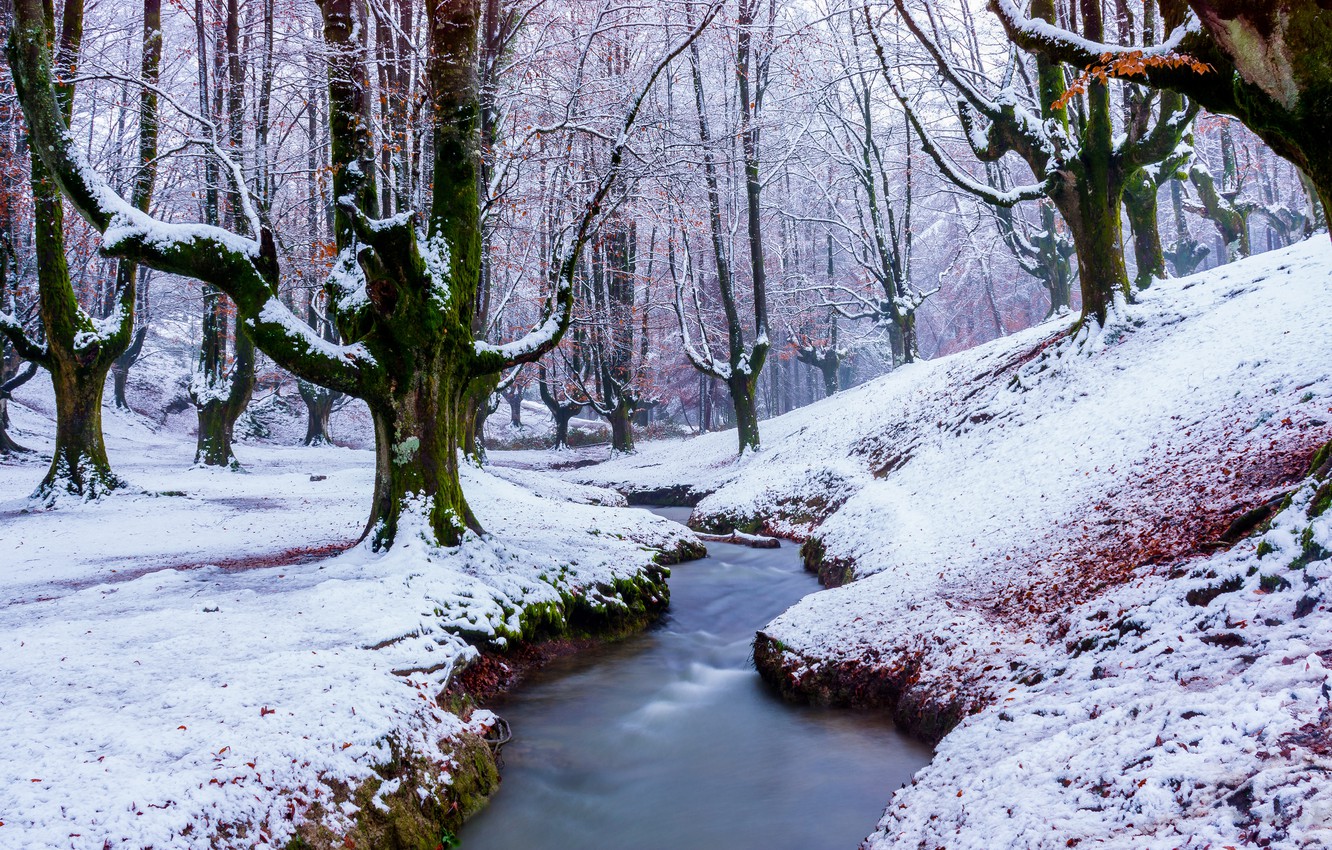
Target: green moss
{"type": "Point", "coordinates": [406, 819]}
{"type": "Point", "coordinates": [1320, 458]}
{"type": "Point", "coordinates": [1310, 551]}
{"type": "Point", "coordinates": [1273, 583]}
{"type": "Point", "coordinates": [1322, 500]}
{"type": "Point", "coordinates": [1265, 547]}
{"type": "Point", "coordinates": [1203, 596]}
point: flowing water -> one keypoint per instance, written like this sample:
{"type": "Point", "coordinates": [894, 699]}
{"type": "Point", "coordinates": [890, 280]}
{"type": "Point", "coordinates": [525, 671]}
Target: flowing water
{"type": "Point", "coordinates": [670, 741]}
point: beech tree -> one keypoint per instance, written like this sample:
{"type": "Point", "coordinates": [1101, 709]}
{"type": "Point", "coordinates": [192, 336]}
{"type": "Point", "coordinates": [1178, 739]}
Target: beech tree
{"type": "Point", "coordinates": [402, 289]}
{"type": "Point", "coordinates": [877, 230]}
{"type": "Point", "coordinates": [558, 387]}
{"type": "Point", "coordinates": [1267, 64]}
{"type": "Point", "coordinates": [1068, 140]}
{"type": "Point", "coordinates": [743, 361]}
{"type": "Point", "coordinates": [78, 349]}
{"type": "Point", "coordinates": [224, 376]}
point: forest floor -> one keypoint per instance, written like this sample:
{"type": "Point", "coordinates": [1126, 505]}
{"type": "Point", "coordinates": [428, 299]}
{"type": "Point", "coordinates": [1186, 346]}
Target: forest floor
{"type": "Point", "coordinates": [190, 662]}
{"type": "Point", "coordinates": [1044, 547]}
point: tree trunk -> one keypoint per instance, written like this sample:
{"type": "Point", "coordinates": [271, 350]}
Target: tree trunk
{"type": "Point", "coordinates": [1141, 205]}
{"type": "Point", "coordinates": [223, 399]}
{"type": "Point", "coordinates": [1058, 270]}
{"type": "Point", "coordinates": [746, 411]}
{"type": "Point", "coordinates": [119, 382]}
{"type": "Point", "coordinates": [418, 431]}
{"type": "Point", "coordinates": [896, 344]}
{"type": "Point", "coordinates": [476, 409]}
{"type": "Point", "coordinates": [562, 418]}
{"type": "Point", "coordinates": [622, 428]}
{"type": "Point", "coordinates": [120, 369]}
{"type": "Point", "coordinates": [1186, 254]}
{"type": "Point", "coordinates": [704, 403]}
{"type": "Point", "coordinates": [830, 369]}
{"type": "Point", "coordinates": [1095, 225]}
{"type": "Point", "coordinates": [7, 444]}
{"type": "Point", "coordinates": [515, 410]}
{"type": "Point", "coordinates": [319, 403]}
{"type": "Point", "coordinates": [12, 379]}
{"type": "Point", "coordinates": [79, 465]}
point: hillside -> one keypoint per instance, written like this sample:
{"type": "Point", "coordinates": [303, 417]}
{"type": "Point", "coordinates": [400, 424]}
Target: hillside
{"type": "Point", "coordinates": [1018, 527]}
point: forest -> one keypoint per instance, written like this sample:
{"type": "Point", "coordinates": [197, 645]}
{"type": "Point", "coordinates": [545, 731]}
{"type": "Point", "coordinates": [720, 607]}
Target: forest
{"type": "Point", "coordinates": [712, 423]}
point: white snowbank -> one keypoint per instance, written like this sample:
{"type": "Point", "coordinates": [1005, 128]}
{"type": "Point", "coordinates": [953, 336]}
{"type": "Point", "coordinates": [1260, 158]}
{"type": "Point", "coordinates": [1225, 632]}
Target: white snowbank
{"type": "Point", "coordinates": [986, 505]}
{"type": "Point", "coordinates": [173, 664]}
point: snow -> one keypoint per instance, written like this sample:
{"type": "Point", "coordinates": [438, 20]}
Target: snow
{"type": "Point", "coordinates": [1047, 32]}
{"type": "Point", "coordinates": [274, 312]}
{"type": "Point", "coordinates": [1024, 523]}
{"type": "Point", "coordinates": [192, 654]}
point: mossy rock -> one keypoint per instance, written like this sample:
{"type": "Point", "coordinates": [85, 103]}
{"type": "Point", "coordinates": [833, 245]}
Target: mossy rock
{"type": "Point", "coordinates": [407, 819]}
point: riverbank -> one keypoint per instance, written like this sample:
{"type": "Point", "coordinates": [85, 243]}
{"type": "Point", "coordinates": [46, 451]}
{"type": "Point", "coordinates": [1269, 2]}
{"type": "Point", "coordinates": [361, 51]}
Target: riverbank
{"type": "Point", "coordinates": [191, 663]}
{"type": "Point", "coordinates": [1042, 558]}
{"type": "Point", "coordinates": [668, 739]}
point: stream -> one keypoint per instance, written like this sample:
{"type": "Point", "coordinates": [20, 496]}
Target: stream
{"type": "Point", "coordinates": [670, 741]}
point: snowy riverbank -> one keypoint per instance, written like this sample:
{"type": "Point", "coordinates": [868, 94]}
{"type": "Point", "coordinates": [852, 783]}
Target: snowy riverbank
{"type": "Point", "coordinates": [1034, 541]}
{"type": "Point", "coordinates": [191, 664]}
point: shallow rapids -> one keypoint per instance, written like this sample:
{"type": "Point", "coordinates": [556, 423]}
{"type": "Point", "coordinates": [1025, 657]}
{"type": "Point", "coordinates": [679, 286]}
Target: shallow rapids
{"type": "Point", "coordinates": [670, 741]}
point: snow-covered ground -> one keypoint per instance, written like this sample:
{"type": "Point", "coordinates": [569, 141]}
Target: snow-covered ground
{"type": "Point", "coordinates": [1031, 536]}
{"type": "Point", "coordinates": [189, 663]}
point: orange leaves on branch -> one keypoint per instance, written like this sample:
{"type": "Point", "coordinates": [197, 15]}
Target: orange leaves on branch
{"type": "Point", "coordinates": [1127, 65]}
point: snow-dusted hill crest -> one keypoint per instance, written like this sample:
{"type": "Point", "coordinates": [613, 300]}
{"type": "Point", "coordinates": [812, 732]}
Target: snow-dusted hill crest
{"type": "Point", "coordinates": [180, 668]}
{"type": "Point", "coordinates": [1035, 540]}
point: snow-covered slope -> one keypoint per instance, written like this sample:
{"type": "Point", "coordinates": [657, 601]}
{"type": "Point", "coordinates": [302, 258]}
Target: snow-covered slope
{"type": "Point", "coordinates": [189, 664]}
{"type": "Point", "coordinates": [1035, 532]}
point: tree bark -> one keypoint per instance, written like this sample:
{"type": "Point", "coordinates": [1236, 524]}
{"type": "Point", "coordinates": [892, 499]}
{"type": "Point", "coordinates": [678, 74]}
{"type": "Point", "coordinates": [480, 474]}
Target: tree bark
{"type": "Point", "coordinates": [418, 431]}
{"type": "Point", "coordinates": [621, 420]}
{"type": "Point", "coordinates": [120, 368]}
{"type": "Point", "coordinates": [11, 382]}
{"type": "Point", "coordinates": [319, 403]}
{"type": "Point", "coordinates": [742, 388]}
{"type": "Point", "coordinates": [221, 394]}
{"type": "Point", "coordinates": [515, 401]}
{"type": "Point", "coordinates": [1141, 205]}
{"type": "Point", "coordinates": [1092, 211]}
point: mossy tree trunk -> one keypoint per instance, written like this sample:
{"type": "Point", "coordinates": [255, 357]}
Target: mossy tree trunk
{"type": "Point", "coordinates": [480, 401]}
{"type": "Point", "coordinates": [79, 352]}
{"type": "Point", "coordinates": [744, 360]}
{"type": "Point", "coordinates": [1186, 253]}
{"type": "Point", "coordinates": [403, 297]}
{"type": "Point", "coordinates": [621, 421]}
{"type": "Point", "coordinates": [742, 387]}
{"type": "Point", "coordinates": [221, 390]}
{"type": "Point", "coordinates": [1267, 64]}
{"type": "Point", "coordinates": [319, 403]}
{"type": "Point", "coordinates": [1140, 204]}
{"type": "Point", "coordinates": [1230, 219]}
